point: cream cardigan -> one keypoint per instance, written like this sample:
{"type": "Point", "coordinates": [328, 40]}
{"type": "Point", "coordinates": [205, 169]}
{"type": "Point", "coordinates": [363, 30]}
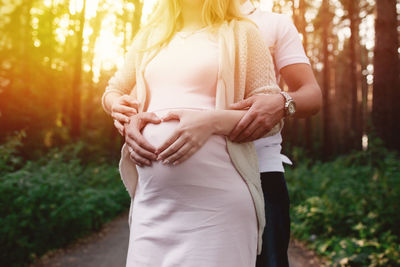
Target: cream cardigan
{"type": "Point", "coordinates": [245, 69]}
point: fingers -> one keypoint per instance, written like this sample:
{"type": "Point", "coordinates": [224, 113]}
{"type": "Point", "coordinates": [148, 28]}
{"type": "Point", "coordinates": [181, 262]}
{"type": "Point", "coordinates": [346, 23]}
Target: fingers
{"type": "Point", "coordinates": [250, 129]}
{"type": "Point", "coordinates": [126, 110]}
{"type": "Point", "coordinates": [149, 117]}
{"type": "Point", "coordinates": [186, 156]}
{"type": "Point", "coordinates": [178, 154]}
{"type": "Point", "coordinates": [131, 101]}
{"type": "Point", "coordinates": [172, 115]}
{"type": "Point", "coordinates": [119, 127]}
{"type": "Point", "coordinates": [120, 117]}
{"type": "Point", "coordinates": [136, 136]}
{"type": "Point", "coordinates": [257, 134]}
{"type": "Point", "coordinates": [243, 104]}
{"type": "Point", "coordinates": [136, 158]}
{"type": "Point", "coordinates": [142, 155]}
{"type": "Point", "coordinates": [242, 125]}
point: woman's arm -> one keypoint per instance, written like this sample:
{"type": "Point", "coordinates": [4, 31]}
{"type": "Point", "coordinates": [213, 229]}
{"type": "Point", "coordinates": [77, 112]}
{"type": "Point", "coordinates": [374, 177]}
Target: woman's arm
{"type": "Point", "coordinates": [194, 129]}
{"type": "Point", "coordinates": [224, 121]}
{"type": "Point", "coordinates": [116, 99]}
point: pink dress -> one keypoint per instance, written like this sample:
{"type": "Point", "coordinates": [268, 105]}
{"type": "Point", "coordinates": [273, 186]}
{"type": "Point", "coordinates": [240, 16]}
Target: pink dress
{"type": "Point", "coordinates": [199, 213]}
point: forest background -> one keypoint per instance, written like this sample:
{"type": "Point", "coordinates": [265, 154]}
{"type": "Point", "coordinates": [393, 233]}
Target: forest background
{"type": "Point", "coordinates": [59, 150]}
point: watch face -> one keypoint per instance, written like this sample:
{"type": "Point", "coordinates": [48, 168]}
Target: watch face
{"type": "Point", "coordinates": [291, 108]}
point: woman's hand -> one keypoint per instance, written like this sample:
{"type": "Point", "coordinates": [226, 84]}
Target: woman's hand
{"type": "Point", "coordinates": [194, 129]}
{"type": "Point", "coordinates": [140, 150]}
{"type": "Point", "coordinates": [122, 108]}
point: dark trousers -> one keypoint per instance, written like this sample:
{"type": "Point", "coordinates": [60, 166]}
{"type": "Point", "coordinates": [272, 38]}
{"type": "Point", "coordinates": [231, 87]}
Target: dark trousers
{"type": "Point", "coordinates": [277, 230]}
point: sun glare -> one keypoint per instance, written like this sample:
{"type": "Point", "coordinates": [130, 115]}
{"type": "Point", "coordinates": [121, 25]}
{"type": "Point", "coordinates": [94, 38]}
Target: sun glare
{"type": "Point", "coordinates": [109, 49]}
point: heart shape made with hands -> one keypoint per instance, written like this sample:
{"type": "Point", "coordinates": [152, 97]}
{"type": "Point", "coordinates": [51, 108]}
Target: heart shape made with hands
{"type": "Point", "coordinates": [155, 127]}
{"type": "Point", "coordinates": [157, 134]}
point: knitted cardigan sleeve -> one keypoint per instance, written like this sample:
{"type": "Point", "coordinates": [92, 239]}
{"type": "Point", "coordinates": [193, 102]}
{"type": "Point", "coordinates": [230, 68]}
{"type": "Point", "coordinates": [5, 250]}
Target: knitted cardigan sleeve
{"type": "Point", "coordinates": [124, 79]}
{"type": "Point", "coordinates": [259, 70]}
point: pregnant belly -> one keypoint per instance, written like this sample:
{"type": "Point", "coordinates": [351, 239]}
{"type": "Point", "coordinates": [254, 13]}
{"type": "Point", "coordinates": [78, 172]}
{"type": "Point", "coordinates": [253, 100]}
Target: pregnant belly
{"type": "Point", "coordinates": [157, 134]}
{"type": "Point", "coordinates": [209, 167]}
{"type": "Point", "coordinates": [212, 154]}
{"type": "Point", "coordinates": [206, 182]}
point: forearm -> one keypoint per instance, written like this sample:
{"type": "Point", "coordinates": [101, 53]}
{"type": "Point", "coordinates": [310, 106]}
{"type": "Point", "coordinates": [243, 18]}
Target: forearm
{"type": "Point", "coordinates": [308, 100]}
{"type": "Point", "coordinates": [224, 121]}
{"type": "Point", "coordinates": [303, 88]}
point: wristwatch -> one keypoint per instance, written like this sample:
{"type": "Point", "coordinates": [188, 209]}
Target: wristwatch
{"type": "Point", "coordinates": [290, 105]}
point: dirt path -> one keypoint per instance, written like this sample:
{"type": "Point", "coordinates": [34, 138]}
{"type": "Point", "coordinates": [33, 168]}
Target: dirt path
{"type": "Point", "coordinates": [108, 247]}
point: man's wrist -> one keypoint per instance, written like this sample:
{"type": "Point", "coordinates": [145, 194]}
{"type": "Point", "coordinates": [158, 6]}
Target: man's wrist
{"type": "Point", "coordinates": [289, 104]}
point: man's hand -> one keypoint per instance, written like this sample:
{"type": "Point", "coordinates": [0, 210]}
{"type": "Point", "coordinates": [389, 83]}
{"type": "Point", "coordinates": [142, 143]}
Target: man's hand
{"type": "Point", "coordinates": [193, 131]}
{"type": "Point", "coordinates": [141, 151]}
{"type": "Point", "coordinates": [122, 108]}
{"type": "Point", "coordinates": [265, 111]}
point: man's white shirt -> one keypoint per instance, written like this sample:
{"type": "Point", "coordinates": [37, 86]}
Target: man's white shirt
{"type": "Point", "coordinates": [282, 37]}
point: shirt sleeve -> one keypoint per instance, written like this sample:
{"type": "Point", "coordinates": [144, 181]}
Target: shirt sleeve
{"type": "Point", "coordinates": [124, 79]}
{"type": "Point", "coordinates": [289, 48]}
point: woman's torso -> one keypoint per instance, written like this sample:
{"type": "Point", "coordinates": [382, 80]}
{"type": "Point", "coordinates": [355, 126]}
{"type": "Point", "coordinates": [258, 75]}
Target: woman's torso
{"type": "Point", "coordinates": [184, 73]}
{"type": "Point", "coordinates": [200, 212]}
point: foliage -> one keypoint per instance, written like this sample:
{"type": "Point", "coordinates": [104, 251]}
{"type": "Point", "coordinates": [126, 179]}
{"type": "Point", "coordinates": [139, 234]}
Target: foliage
{"type": "Point", "coordinates": [54, 200]}
{"type": "Point", "coordinates": [347, 209]}
{"type": "Point", "coordinates": [8, 152]}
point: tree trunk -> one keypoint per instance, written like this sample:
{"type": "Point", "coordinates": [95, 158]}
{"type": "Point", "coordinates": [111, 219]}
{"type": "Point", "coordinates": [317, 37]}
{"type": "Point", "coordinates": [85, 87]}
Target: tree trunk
{"type": "Point", "coordinates": [355, 73]}
{"type": "Point", "coordinates": [90, 102]}
{"type": "Point", "coordinates": [386, 89]}
{"type": "Point", "coordinates": [75, 113]}
{"type": "Point", "coordinates": [327, 120]}
{"type": "Point", "coordinates": [27, 47]}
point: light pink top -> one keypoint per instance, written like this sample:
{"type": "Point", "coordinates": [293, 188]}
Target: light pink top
{"type": "Point", "coordinates": [191, 77]}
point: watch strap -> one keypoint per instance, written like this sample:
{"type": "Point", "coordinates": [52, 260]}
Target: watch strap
{"type": "Point", "coordinates": [288, 99]}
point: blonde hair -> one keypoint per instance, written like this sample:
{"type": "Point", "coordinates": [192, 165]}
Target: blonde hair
{"type": "Point", "coordinates": [166, 19]}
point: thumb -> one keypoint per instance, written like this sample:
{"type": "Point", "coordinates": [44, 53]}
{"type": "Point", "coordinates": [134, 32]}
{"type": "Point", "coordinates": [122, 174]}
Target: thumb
{"type": "Point", "coordinates": [243, 104]}
{"type": "Point", "coordinates": [172, 115]}
{"type": "Point", "coordinates": [151, 117]}
{"type": "Point", "coordinates": [131, 101]}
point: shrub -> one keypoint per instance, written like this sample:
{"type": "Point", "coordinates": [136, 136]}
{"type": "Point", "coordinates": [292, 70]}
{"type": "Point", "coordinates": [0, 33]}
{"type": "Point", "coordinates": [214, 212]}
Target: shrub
{"type": "Point", "coordinates": [54, 200]}
{"type": "Point", "coordinates": [347, 209]}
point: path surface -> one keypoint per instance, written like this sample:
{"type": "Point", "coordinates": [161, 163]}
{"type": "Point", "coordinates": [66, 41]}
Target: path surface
{"type": "Point", "coordinates": [108, 248]}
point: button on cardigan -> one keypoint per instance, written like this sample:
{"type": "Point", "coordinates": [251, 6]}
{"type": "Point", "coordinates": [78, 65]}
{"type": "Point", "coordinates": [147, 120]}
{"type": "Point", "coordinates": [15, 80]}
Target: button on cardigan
{"type": "Point", "coordinates": [245, 69]}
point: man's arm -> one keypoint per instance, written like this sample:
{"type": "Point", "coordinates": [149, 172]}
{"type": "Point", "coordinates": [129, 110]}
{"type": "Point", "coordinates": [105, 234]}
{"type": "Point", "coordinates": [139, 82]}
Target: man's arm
{"type": "Point", "coordinates": [268, 110]}
{"type": "Point", "coordinates": [303, 88]}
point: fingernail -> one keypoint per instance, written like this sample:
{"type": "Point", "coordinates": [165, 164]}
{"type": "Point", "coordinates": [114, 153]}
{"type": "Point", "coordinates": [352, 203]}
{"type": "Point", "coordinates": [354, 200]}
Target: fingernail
{"type": "Point", "coordinates": [159, 158]}
{"type": "Point", "coordinates": [175, 163]}
{"type": "Point", "coordinates": [165, 162]}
